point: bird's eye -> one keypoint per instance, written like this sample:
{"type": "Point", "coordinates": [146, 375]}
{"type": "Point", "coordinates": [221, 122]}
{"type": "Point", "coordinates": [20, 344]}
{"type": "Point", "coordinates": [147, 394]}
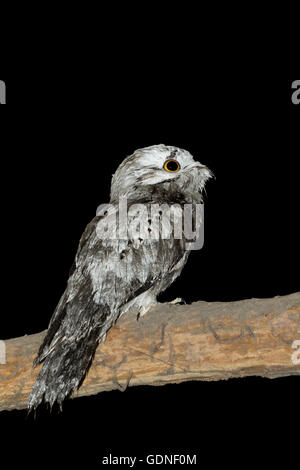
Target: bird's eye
{"type": "Point", "coordinates": [172, 166]}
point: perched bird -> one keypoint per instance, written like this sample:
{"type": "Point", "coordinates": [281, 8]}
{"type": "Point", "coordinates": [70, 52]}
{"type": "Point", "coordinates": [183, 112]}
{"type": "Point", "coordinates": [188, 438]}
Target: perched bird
{"type": "Point", "coordinates": [113, 274]}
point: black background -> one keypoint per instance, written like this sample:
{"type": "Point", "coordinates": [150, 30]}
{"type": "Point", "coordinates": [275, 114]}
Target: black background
{"type": "Point", "coordinates": [62, 137]}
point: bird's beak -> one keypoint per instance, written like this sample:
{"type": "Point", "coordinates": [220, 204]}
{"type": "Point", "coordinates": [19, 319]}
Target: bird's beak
{"type": "Point", "coordinates": [206, 171]}
{"type": "Point", "coordinates": [197, 165]}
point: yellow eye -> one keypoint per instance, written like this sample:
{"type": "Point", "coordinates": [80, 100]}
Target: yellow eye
{"type": "Point", "coordinates": [172, 166]}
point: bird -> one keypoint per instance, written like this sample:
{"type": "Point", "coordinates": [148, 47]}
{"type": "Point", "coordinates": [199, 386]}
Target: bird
{"type": "Point", "coordinates": [112, 275]}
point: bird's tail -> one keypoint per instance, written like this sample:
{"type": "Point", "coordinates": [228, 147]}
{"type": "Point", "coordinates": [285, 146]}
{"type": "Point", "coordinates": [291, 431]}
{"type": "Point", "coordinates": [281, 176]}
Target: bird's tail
{"type": "Point", "coordinates": [64, 369]}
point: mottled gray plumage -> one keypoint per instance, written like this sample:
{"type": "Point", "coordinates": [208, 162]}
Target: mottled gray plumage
{"type": "Point", "coordinates": [109, 276]}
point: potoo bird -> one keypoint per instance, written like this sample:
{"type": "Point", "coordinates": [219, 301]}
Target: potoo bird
{"type": "Point", "coordinates": [112, 274]}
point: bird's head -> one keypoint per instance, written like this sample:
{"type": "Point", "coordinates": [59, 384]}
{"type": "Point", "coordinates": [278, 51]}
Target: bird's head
{"type": "Point", "coordinates": [160, 169]}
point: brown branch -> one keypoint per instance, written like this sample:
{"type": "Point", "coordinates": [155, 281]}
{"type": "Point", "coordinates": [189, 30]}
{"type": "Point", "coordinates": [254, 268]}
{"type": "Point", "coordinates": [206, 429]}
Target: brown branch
{"type": "Point", "coordinates": [172, 344]}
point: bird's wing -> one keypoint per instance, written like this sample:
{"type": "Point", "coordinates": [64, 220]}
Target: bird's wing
{"type": "Point", "coordinates": [107, 274]}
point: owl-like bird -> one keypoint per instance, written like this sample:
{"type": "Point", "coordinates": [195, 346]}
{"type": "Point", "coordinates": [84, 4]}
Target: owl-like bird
{"type": "Point", "coordinates": [110, 274]}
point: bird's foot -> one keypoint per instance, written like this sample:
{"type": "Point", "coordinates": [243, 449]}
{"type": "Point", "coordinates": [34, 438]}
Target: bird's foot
{"type": "Point", "coordinates": [177, 301]}
{"type": "Point", "coordinates": [144, 310]}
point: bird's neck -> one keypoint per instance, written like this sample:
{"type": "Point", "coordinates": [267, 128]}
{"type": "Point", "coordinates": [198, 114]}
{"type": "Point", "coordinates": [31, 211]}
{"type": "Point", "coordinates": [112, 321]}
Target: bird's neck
{"type": "Point", "coordinates": [167, 193]}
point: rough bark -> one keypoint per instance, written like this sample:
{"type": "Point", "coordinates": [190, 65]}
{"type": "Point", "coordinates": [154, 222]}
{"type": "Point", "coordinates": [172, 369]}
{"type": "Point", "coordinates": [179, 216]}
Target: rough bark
{"type": "Point", "coordinates": [172, 344]}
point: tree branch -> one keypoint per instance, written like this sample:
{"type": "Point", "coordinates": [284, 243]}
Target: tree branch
{"type": "Point", "coordinates": [172, 344]}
